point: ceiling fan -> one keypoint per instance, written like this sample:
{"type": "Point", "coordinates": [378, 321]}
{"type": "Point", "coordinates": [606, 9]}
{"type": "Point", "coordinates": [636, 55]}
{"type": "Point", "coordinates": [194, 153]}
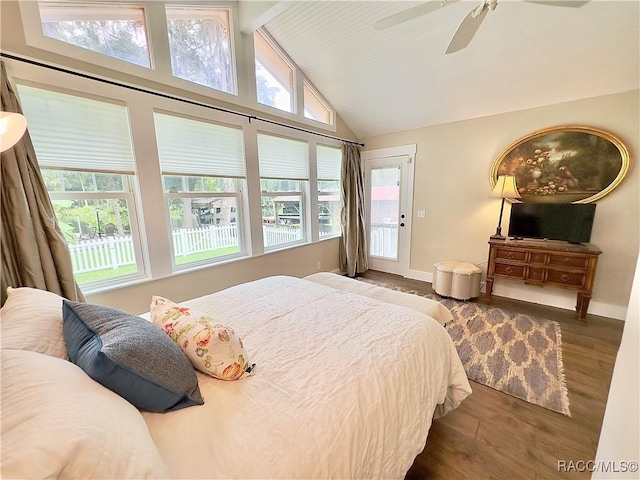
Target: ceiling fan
{"type": "Point", "coordinates": [471, 22]}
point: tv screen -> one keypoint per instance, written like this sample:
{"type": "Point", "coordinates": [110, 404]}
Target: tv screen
{"type": "Point", "coordinates": [570, 222]}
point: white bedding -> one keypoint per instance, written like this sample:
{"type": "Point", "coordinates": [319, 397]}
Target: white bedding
{"type": "Point", "coordinates": [416, 302]}
{"type": "Point", "coordinates": [345, 386]}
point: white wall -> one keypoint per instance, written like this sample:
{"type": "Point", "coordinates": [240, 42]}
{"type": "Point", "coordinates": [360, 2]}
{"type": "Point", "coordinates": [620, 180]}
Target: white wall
{"type": "Point", "coordinates": [620, 434]}
{"type": "Point", "coordinates": [452, 185]}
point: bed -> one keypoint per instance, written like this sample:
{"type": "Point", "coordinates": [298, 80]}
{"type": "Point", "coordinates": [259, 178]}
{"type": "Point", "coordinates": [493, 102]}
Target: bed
{"type": "Point", "coordinates": [344, 386]}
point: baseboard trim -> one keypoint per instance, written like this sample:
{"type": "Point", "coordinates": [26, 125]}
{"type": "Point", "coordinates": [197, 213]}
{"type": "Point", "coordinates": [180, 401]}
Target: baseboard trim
{"type": "Point", "coordinates": [420, 275]}
{"type": "Point", "coordinates": [564, 299]}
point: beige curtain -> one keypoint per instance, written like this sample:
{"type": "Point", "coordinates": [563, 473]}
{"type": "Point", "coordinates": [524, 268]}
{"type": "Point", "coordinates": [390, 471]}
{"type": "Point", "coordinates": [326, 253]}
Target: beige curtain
{"type": "Point", "coordinates": [34, 251]}
{"type": "Point", "coordinates": [353, 248]}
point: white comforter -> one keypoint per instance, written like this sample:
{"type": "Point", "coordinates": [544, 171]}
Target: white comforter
{"type": "Point", "coordinates": [345, 387]}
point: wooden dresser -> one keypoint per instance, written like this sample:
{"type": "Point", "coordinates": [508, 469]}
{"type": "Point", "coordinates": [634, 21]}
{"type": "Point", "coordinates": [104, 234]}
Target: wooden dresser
{"type": "Point", "coordinates": [545, 262]}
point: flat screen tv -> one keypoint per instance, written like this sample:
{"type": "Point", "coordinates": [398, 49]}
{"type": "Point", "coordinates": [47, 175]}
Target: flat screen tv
{"type": "Point", "coordinates": [570, 222]}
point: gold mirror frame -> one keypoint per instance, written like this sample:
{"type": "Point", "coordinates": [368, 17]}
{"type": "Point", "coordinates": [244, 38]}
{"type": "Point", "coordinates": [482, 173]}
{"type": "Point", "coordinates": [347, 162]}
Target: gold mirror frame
{"type": "Point", "coordinates": [543, 161]}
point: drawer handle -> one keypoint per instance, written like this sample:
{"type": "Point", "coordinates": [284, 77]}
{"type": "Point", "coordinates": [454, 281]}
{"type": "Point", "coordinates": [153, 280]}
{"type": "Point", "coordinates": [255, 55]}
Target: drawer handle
{"type": "Point", "coordinates": [565, 278]}
{"type": "Point", "coordinates": [509, 255]}
{"type": "Point", "coordinates": [567, 260]}
{"type": "Point", "coordinates": [508, 269]}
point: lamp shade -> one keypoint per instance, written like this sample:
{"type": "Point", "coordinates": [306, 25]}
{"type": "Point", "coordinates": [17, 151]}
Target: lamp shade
{"type": "Point", "coordinates": [12, 128]}
{"type": "Point", "coordinates": [505, 187]}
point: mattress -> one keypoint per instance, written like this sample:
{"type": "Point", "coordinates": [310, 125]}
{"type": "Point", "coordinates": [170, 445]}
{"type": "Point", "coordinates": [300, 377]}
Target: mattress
{"type": "Point", "coordinates": [345, 386]}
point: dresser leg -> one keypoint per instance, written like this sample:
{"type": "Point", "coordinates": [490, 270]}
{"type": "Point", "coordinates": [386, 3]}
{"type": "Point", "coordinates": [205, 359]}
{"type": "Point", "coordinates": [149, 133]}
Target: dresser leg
{"type": "Point", "coordinates": [583, 305]}
{"type": "Point", "coordinates": [488, 289]}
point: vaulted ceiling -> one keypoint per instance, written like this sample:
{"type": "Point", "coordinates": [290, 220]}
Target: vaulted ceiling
{"type": "Point", "coordinates": [524, 55]}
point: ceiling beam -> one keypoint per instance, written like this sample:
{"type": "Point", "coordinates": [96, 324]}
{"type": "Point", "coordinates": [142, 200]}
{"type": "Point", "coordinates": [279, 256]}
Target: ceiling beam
{"type": "Point", "coordinates": [254, 14]}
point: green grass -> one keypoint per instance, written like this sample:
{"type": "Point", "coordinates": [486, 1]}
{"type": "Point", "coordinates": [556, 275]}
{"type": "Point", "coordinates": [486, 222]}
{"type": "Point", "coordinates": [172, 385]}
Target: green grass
{"type": "Point", "coordinates": [105, 274]}
{"type": "Point", "coordinates": [194, 257]}
{"type": "Point", "coordinates": [109, 273]}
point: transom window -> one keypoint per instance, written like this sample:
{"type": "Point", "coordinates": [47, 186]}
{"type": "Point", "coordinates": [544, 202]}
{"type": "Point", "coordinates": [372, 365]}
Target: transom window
{"type": "Point", "coordinates": [315, 107]}
{"type": "Point", "coordinates": [118, 31]}
{"type": "Point", "coordinates": [274, 74]}
{"type": "Point", "coordinates": [200, 45]}
{"type": "Point", "coordinates": [176, 42]}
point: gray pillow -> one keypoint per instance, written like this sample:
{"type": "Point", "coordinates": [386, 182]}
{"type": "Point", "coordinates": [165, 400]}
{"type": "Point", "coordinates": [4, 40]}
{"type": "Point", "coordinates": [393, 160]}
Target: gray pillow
{"type": "Point", "coordinates": [130, 356]}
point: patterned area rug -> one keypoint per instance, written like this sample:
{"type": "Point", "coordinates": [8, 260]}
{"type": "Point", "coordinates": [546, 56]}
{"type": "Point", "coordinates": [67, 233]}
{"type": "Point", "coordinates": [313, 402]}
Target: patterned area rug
{"type": "Point", "coordinates": [518, 354]}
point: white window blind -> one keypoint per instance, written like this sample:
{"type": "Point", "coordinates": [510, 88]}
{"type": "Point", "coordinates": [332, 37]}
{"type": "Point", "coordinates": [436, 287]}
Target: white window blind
{"type": "Point", "coordinates": [283, 158]}
{"type": "Point", "coordinates": [329, 163]}
{"type": "Point", "coordinates": [192, 147]}
{"type": "Point", "coordinates": [76, 133]}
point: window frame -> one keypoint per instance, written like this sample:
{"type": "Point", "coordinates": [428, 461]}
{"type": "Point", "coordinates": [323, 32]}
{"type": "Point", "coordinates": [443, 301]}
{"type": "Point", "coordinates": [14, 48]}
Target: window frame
{"type": "Point", "coordinates": [320, 193]}
{"type": "Point", "coordinates": [306, 85]}
{"type": "Point", "coordinates": [157, 35]}
{"type": "Point", "coordinates": [149, 198]}
{"type": "Point", "coordinates": [303, 226]}
{"type": "Point", "coordinates": [129, 194]}
{"type": "Point", "coordinates": [232, 45]}
{"type": "Point", "coordinates": [161, 72]}
{"type": "Point", "coordinates": [282, 55]}
{"type": "Point", "coordinates": [110, 8]}
{"type": "Point", "coordinates": [240, 201]}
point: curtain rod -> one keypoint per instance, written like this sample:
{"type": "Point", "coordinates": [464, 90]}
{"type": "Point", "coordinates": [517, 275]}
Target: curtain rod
{"type": "Point", "coordinates": [172, 97]}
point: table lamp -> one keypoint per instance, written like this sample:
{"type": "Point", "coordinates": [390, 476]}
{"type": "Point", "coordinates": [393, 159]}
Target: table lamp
{"type": "Point", "coordinates": [505, 188]}
{"type": "Point", "coordinates": [12, 128]}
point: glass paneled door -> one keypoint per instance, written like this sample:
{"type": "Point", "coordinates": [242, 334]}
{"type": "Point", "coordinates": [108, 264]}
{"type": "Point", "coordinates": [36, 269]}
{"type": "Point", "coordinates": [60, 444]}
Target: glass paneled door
{"type": "Point", "coordinates": [387, 217]}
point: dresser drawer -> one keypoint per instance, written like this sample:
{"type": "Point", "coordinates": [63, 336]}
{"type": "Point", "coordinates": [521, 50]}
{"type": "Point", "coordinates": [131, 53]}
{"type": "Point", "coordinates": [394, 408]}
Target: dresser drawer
{"type": "Point", "coordinates": [535, 274]}
{"type": "Point", "coordinates": [538, 258]}
{"type": "Point", "coordinates": [559, 277]}
{"type": "Point", "coordinates": [568, 261]}
{"type": "Point", "coordinates": [516, 255]}
{"type": "Point", "coordinates": [512, 271]}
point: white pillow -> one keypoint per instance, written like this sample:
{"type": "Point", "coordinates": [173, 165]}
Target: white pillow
{"type": "Point", "coordinates": [31, 319]}
{"type": "Point", "coordinates": [58, 423]}
{"type": "Point", "coordinates": [211, 346]}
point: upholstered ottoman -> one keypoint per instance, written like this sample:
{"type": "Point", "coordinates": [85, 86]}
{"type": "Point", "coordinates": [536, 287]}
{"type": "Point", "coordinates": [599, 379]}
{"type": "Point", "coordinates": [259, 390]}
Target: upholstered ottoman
{"type": "Point", "coordinates": [460, 280]}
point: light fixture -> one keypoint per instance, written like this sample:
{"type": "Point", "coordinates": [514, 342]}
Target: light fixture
{"type": "Point", "coordinates": [12, 128]}
{"type": "Point", "coordinates": [505, 188]}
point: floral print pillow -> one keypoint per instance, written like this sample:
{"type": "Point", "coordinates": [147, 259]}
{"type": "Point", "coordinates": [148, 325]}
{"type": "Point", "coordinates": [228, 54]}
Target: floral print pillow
{"type": "Point", "coordinates": [212, 347]}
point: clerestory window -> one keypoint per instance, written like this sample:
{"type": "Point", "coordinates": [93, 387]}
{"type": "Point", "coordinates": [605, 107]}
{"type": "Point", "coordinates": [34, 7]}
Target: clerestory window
{"type": "Point", "coordinates": [201, 47]}
{"type": "Point", "coordinates": [274, 74]}
{"type": "Point", "coordinates": [118, 31]}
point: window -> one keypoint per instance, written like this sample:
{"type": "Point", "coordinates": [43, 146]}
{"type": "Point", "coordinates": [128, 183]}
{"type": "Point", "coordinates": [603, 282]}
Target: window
{"type": "Point", "coordinates": [203, 175]}
{"type": "Point", "coordinates": [284, 179]}
{"type": "Point", "coordinates": [314, 107]}
{"type": "Point", "coordinates": [329, 195]}
{"type": "Point", "coordinates": [200, 45]}
{"type": "Point", "coordinates": [116, 31]}
{"type": "Point", "coordinates": [274, 74]}
{"type": "Point", "coordinates": [88, 167]}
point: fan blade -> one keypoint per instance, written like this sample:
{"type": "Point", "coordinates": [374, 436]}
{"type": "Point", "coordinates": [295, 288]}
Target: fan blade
{"type": "Point", "coordinates": [560, 3]}
{"type": "Point", "coordinates": [466, 31]}
{"type": "Point", "coordinates": [411, 13]}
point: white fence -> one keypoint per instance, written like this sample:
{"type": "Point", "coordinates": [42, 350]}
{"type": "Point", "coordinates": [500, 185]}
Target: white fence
{"type": "Point", "coordinates": [384, 240]}
{"type": "Point", "coordinates": [195, 240]}
{"type": "Point", "coordinates": [277, 235]}
{"type": "Point", "coordinates": [114, 252]}
{"type": "Point", "coordinates": [102, 253]}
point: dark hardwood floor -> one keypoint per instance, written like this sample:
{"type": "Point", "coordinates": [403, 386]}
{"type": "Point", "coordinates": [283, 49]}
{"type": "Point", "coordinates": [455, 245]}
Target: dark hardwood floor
{"type": "Point", "coordinates": [495, 436]}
